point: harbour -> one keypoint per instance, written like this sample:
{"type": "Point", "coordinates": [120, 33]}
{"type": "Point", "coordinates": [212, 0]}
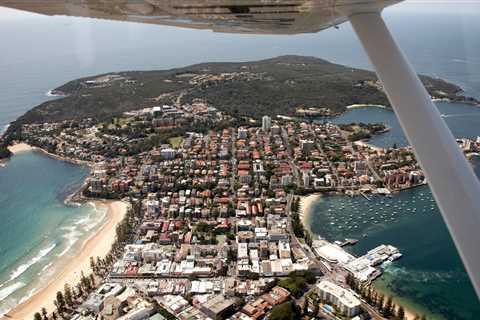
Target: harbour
{"type": "Point", "coordinates": [400, 219]}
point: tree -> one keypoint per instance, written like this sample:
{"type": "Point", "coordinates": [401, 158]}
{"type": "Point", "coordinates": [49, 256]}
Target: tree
{"type": "Point", "coordinates": [92, 280]}
{"type": "Point", "coordinates": [380, 302]}
{"type": "Point", "coordinates": [54, 315]}
{"type": "Point", "coordinates": [79, 290]}
{"type": "Point", "coordinates": [424, 317]}
{"type": "Point", "coordinates": [388, 308]}
{"type": "Point", "coordinates": [93, 265]}
{"type": "Point", "coordinates": [60, 301]}
{"type": "Point", "coordinates": [285, 311]}
{"type": "Point", "coordinates": [86, 285]}
{"type": "Point", "coordinates": [67, 291]}
{"type": "Point", "coordinates": [37, 316]}
{"type": "Point", "coordinates": [401, 313]}
{"type": "Point", "coordinates": [305, 307]}
{"type": "Point", "coordinates": [44, 313]}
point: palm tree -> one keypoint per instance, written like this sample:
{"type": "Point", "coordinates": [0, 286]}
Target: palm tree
{"type": "Point", "coordinates": [60, 302]}
{"type": "Point", "coordinates": [68, 295]}
{"type": "Point", "coordinates": [37, 316]}
{"type": "Point", "coordinates": [380, 302]}
{"type": "Point", "coordinates": [92, 280]}
{"type": "Point", "coordinates": [93, 265]}
{"type": "Point", "coordinates": [387, 309]}
{"type": "Point", "coordinates": [44, 313]}
{"type": "Point", "coordinates": [79, 289]}
{"type": "Point", "coordinates": [401, 313]}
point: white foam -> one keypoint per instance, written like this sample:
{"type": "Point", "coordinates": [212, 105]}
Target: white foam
{"type": "Point", "coordinates": [45, 267]}
{"type": "Point", "coordinates": [72, 237]}
{"type": "Point", "coordinates": [5, 292]}
{"type": "Point", "coordinates": [4, 129]}
{"type": "Point", "coordinates": [24, 267]}
{"type": "Point", "coordinates": [27, 296]}
{"type": "Point", "coordinates": [51, 94]}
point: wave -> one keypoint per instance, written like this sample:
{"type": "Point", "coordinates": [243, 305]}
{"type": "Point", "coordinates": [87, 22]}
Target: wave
{"type": "Point", "coordinates": [5, 292]}
{"type": "Point", "coordinates": [51, 94]}
{"type": "Point", "coordinates": [45, 267]}
{"type": "Point", "coordinates": [4, 129]}
{"type": "Point", "coordinates": [24, 267]}
{"type": "Point", "coordinates": [455, 115]}
{"type": "Point", "coordinates": [27, 296]}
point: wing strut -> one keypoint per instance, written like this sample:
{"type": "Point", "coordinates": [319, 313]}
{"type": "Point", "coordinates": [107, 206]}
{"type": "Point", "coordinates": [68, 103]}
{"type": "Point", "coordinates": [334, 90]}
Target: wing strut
{"type": "Point", "coordinates": [450, 176]}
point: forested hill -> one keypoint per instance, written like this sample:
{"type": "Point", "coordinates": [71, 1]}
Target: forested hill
{"type": "Point", "coordinates": [273, 86]}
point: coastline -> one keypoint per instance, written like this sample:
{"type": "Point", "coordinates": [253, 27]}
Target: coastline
{"type": "Point", "coordinates": [306, 204]}
{"type": "Point", "coordinates": [20, 147]}
{"type": "Point", "coordinates": [357, 106]}
{"type": "Point", "coordinates": [411, 309]}
{"type": "Point", "coordinates": [98, 244]}
{"type": "Point", "coordinates": [23, 147]}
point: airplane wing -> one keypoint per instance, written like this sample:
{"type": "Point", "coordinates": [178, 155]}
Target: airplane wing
{"type": "Point", "coordinates": [232, 16]}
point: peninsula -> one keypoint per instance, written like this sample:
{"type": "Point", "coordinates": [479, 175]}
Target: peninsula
{"type": "Point", "coordinates": [215, 181]}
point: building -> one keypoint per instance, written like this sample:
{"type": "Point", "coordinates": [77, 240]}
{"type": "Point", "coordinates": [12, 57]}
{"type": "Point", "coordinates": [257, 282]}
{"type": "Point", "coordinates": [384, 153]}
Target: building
{"type": "Point", "coordinates": [344, 300]}
{"type": "Point", "coordinates": [218, 307]}
{"type": "Point", "coordinates": [94, 303]}
{"type": "Point", "coordinates": [306, 146]}
{"type": "Point", "coordinates": [168, 153]}
{"type": "Point", "coordinates": [266, 123]}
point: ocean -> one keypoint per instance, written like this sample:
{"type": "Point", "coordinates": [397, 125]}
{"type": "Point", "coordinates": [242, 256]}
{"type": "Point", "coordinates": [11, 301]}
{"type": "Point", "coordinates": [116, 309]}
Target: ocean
{"type": "Point", "coordinates": [39, 231]}
{"type": "Point", "coordinates": [39, 54]}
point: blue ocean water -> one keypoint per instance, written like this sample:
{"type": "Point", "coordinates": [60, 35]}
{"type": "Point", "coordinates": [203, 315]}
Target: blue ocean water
{"type": "Point", "coordinates": [40, 53]}
{"type": "Point", "coordinates": [38, 229]}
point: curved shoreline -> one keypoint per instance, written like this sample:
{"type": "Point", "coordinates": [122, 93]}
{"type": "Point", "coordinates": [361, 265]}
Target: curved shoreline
{"type": "Point", "coordinates": [306, 204]}
{"type": "Point", "coordinates": [98, 244]}
{"type": "Point", "coordinates": [24, 147]}
{"type": "Point", "coordinates": [306, 208]}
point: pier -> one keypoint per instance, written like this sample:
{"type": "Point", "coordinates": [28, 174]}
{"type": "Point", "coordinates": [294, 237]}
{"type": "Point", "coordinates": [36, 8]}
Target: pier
{"type": "Point", "coordinates": [365, 196]}
{"type": "Point", "coordinates": [348, 242]}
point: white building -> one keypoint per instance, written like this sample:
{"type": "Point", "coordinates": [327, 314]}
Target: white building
{"type": "Point", "coordinates": [266, 123]}
{"type": "Point", "coordinates": [168, 153]}
{"type": "Point", "coordinates": [344, 300]}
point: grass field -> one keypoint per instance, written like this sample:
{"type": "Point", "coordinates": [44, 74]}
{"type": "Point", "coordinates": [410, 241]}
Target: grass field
{"type": "Point", "coordinates": [175, 141]}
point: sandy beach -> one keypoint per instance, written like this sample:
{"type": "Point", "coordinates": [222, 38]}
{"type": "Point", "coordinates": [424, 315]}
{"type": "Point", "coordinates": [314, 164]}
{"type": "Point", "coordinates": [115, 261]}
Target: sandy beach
{"type": "Point", "coordinates": [356, 106]}
{"type": "Point", "coordinates": [20, 147]}
{"type": "Point", "coordinates": [306, 204]}
{"type": "Point", "coordinates": [98, 244]}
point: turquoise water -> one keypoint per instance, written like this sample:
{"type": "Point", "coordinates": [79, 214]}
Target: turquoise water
{"type": "Point", "coordinates": [38, 229]}
{"type": "Point", "coordinates": [430, 275]}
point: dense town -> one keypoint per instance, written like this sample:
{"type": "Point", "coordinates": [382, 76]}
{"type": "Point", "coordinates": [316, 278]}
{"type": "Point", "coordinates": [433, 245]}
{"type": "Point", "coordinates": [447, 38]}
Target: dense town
{"type": "Point", "coordinates": [214, 228]}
